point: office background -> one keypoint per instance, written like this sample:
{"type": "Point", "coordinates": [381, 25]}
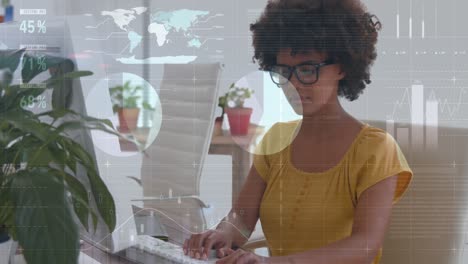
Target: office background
{"type": "Point", "coordinates": [420, 76]}
{"type": "Point", "coordinates": [435, 56]}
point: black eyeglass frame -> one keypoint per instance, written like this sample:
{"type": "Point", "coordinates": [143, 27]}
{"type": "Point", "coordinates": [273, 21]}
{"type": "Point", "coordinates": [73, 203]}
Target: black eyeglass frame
{"type": "Point", "coordinates": [292, 69]}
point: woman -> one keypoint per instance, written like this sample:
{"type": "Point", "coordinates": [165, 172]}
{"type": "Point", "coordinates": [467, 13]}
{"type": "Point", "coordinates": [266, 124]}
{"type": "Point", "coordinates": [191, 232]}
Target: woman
{"type": "Point", "coordinates": [326, 196]}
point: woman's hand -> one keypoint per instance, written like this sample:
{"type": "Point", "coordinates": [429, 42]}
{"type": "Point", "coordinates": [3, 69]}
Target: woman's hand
{"type": "Point", "coordinates": [199, 245]}
{"type": "Point", "coordinates": [242, 257]}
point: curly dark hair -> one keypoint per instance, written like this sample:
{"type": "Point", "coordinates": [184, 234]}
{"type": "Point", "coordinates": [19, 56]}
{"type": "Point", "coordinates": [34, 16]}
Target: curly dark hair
{"type": "Point", "coordinates": [342, 29]}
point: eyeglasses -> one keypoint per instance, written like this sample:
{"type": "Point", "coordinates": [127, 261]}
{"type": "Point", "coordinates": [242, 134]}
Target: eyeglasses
{"type": "Point", "coordinates": [306, 73]}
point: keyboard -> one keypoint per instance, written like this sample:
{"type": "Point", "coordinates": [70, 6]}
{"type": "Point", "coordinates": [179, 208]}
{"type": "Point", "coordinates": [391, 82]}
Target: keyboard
{"type": "Point", "coordinates": [169, 251]}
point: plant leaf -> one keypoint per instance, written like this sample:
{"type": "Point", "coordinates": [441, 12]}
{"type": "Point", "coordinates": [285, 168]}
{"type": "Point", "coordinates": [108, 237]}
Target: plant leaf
{"type": "Point", "coordinates": [62, 93]}
{"type": "Point", "coordinates": [10, 59]}
{"type": "Point", "coordinates": [70, 75]}
{"type": "Point", "coordinates": [6, 211]}
{"type": "Point", "coordinates": [59, 113]}
{"type": "Point", "coordinates": [17, 119]}
{"type": "Point", "coordinates": [35, 64]}
{"type": "Point", "coordinates": [104, 200]}
{"type": "Point", "coordinates": [79, 196]}
{"type": "Point", "coordinates": [44, 225]}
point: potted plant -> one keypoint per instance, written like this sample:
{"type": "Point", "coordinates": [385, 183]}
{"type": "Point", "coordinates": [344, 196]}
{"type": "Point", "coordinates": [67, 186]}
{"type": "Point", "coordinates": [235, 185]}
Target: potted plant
{"type": "Point", "coordinates": [125, 102]}
{"type": "Point", "coordinates": [238, 115]}
{"type": "Point", "coordinates": [40, 197]}
{"type": "Point", "coordinates": [218, 130]}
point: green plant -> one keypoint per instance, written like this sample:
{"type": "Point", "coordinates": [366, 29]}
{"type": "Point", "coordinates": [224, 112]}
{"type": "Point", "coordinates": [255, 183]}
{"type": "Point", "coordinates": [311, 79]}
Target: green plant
{"type": "Point", "coordinates": [125, 96]}
{"type": "Point", "coordinates": [39, 193]}
{"type": "Point", "coordinates": [222, 100]}
{"type": "Point", "coordinates": [236, 96]}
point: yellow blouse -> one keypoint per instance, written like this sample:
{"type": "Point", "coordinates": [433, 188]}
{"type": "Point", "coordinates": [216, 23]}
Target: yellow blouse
{"type": "Point", "coordinates": [300, 211]}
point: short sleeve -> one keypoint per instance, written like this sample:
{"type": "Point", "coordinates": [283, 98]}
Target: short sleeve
{"type": "Point", "coordinates": [382, 158]}
{"type": "Point", "coordinates": [261, 164]}
{"type": "Point", "coordinates": [260, 159]}
{"type": "Point", "coordinates": [269, 150]}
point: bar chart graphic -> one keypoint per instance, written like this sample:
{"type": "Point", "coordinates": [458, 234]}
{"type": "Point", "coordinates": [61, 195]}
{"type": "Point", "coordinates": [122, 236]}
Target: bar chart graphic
{"type": "Point", "coordinates": [423, 131]}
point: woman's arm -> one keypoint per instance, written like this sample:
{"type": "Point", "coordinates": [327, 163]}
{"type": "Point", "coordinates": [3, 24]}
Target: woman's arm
{"type": "Point", "coordinates": [243, 217]}
{"type": "Point", "coordinates": [371, 220]}
{"type": "Point", "coordinates": [235, 229]}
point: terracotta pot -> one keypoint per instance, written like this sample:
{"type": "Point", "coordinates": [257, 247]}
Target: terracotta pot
{"type": "Point", "coordinates": [239, 120]}
{"type": "Point", "coordinates": [128, 119]}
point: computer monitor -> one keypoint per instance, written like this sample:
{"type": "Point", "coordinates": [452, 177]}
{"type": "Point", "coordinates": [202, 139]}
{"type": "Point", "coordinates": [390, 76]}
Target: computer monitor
{"type": "Point", "coordinates": [92, 97]}
{"type": "Point", "coordinates": [117, 165]}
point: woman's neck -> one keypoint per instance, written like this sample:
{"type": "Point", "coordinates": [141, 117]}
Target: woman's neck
{"type": "Point", "coordinates": [325, 123]}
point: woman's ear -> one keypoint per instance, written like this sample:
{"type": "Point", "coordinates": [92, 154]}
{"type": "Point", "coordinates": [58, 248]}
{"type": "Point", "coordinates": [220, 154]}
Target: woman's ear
{"type": "Point", "coordinates": [341, 72]}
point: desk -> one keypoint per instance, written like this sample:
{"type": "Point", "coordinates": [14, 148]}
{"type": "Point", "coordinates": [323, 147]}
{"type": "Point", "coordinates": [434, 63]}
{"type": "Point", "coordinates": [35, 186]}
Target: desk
{"type": "Point", "coordinates": [101, 256]}
{"type": "Point", "coordinates": [129, 256]}
{"type": "Point", "coordinates": [225, 144]}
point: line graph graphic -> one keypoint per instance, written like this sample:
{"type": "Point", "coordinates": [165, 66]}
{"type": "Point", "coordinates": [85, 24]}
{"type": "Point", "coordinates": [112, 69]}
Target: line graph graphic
{"type": "Point", "coordinates": [108, 36]}
{"type": "Point", "coordinates": [211, 17]}
{"type": "Point", "coordinates": [425, 115]}
{"type": "Point", "coordinates": [130, 221]}
{"type": "Point", "coordinates": [100, 24]}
